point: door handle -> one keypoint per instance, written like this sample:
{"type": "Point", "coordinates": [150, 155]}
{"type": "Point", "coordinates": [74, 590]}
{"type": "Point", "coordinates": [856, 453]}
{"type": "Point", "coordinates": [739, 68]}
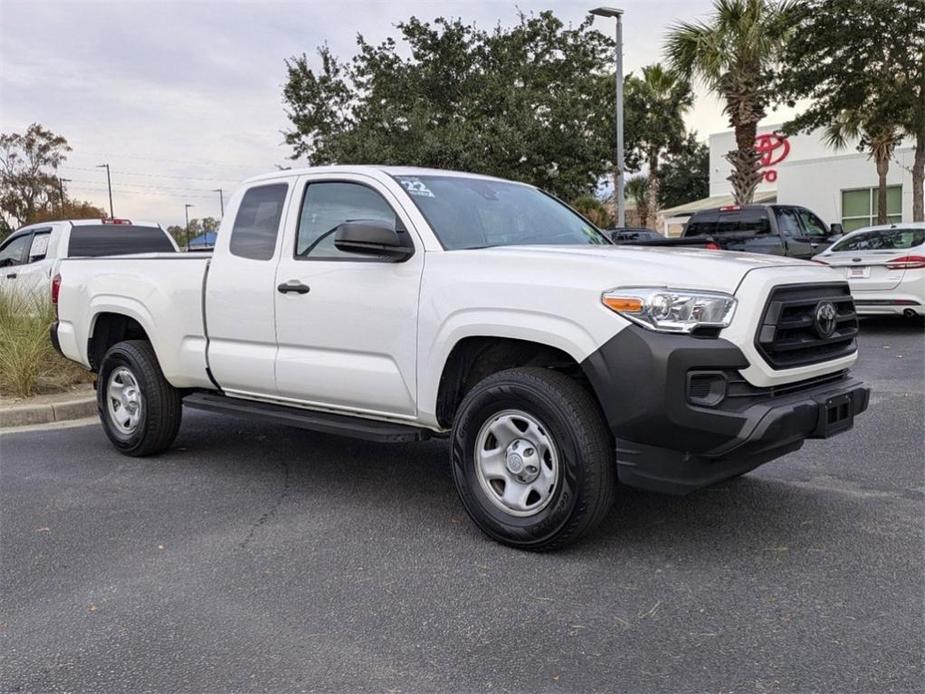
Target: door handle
{"type": "Point", "coordinates": [12, 276]}
{"type": "Point", "coordinates": [293, 286]}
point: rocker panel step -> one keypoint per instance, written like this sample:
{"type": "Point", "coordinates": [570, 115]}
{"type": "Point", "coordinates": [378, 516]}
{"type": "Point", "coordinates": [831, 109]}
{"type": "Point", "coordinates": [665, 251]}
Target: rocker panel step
{"type": "Point", "coordinates": [324, 422]}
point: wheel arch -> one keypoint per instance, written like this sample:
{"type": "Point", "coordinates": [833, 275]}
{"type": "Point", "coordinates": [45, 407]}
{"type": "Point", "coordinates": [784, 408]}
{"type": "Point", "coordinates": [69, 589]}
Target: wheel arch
{"type": "Point", "coordinates": [475, 357]}
{"type": "Point", "coordinates": [109, 327]}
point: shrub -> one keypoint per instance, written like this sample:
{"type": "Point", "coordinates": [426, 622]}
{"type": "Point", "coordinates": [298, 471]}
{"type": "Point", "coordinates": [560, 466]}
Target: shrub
{"type": "Point", "coordinates": [593, 209]}
{"type": "Point", "coordinates": [29, 365]}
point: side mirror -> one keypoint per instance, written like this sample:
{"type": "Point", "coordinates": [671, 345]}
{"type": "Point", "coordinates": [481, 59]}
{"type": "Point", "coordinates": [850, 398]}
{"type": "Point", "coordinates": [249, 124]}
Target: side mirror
{"type": "Point", "coordinates": [836, 229]}
{"type": "Point", "coordinates": [374, 237]}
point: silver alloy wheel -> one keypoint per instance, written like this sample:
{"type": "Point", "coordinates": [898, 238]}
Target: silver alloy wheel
{"type": "Point", "coordinates": [517, 463]}
{"type": "Point", "coordinates": [123, 399]}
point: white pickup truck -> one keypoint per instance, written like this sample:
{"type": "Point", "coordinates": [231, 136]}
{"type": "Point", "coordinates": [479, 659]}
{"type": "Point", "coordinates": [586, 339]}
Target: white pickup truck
{"type": "Point", "coordinates": [394, 304]}
{"type": "Point", "coordinates": [29, 255]}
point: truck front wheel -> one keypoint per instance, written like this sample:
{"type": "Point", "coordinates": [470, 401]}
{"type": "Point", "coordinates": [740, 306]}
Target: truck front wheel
{"type": "Point", "coordinates": [532, 459]}
{"type": "Point", "coordinates": [139, 409]}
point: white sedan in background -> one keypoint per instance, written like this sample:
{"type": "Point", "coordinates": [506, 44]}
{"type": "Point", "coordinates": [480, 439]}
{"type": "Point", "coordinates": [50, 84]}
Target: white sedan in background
{"type": "Point", "coordinates": [884, 266]}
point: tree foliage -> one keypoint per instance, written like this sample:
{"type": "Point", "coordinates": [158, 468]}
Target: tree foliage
{"type": "Point", "coordinates": [28, 172]}
{"type": "Point", "coordinates": [637, 190]}
{"type": "Point", "coordinates": [685, 175]}
{"type": "Point", "coordinates": [197, 227]}
{"type": "Point", "coordinates": [656, 103]}
{"type": "Point", "coordinates": [595, 210]}
{"type": "Point", "coordinates": [69, 209]}
{"type": "Point", "coordinates": [532, 102]}
{"type": "Point", "coordinates": [862, 64]}
{"type": "Point", "coordinates": [735, 54]}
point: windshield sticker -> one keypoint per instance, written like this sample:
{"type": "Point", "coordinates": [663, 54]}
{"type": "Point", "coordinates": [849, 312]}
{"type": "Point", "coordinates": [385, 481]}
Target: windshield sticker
{"type": "Point", "coordinates": [39, 245]}
{"type": "Point", "coordinates": [415, 186]}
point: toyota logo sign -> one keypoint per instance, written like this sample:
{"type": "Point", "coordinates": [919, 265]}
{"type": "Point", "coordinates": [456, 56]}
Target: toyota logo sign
{"type": "Point", "coordinates": [773, 149]}
{"type": "Point", "coordinates": [825, 319]}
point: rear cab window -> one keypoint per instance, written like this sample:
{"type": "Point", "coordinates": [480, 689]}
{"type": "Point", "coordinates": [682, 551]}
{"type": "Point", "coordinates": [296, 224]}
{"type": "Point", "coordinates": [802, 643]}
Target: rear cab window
{"type": "Point", "coordinates": [94, 240]}
{"type": "Point", "coordinates": [256, 226]}
{"type": "Point", "coordinates": [754, 220]}
{"type": "Point", "coordinates": [701, 224]}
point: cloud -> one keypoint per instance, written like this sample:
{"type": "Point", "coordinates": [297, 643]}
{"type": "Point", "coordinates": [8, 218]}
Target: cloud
{"type": "Point", "coordinates": [184, 97]}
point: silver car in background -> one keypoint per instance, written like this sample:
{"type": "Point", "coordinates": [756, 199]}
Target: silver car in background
{"type": "Point", "coordinates": [884, 266]}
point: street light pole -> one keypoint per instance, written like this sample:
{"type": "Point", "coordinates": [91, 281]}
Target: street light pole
{"type": "Point", "coordinates": [186, 212]}
{"type": "Point", "coordinates": [221, 200]}
{"type": "Point", "coordinates": [618, 167]}
{"type": "Point", "coordinates": [112, 215]}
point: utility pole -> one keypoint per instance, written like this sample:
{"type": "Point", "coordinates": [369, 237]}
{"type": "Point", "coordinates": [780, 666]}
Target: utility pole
{"type": "Point", "coordinates": [221, 200]}
{"type": "Point", "coordinates": [186, 211]}
{"type": "Point", "coordinates": [618, 166]}
{"type": "Point", "coordinates": [112, 214]}
{"type": "Point", "coordinates": [61, 182]}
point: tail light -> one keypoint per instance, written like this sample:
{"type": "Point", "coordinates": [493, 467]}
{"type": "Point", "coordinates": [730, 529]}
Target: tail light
{"type": "Point", "coordinates": [55, 290]}
{"type": "Point", "coordinates": [907, 262]}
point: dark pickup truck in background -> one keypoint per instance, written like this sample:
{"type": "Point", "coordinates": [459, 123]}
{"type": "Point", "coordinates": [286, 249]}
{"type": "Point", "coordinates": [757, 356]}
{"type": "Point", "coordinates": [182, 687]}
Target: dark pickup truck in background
{"type": "Point", "coordinates": [786, 230]}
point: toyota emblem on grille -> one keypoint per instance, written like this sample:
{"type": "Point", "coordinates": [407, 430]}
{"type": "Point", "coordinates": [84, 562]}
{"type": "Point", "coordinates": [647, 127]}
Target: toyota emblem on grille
{"type": "Point", "coordinates": [825, 318]}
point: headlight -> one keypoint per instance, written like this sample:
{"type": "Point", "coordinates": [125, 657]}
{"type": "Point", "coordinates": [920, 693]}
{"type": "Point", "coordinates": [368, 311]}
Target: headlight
{"type": "Point", "coordinates": [671, 310]}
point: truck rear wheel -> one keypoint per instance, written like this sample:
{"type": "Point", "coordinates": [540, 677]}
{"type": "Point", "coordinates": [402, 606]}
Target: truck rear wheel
{"type": "Point", "coordinates": [532, 459]}
{"type": "Point", "coordinates": [140, 410]}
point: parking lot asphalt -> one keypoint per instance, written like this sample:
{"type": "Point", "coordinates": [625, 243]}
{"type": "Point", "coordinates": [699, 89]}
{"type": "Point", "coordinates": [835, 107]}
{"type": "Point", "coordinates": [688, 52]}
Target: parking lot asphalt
{"type": "Point", "coordinates": [259, 558]}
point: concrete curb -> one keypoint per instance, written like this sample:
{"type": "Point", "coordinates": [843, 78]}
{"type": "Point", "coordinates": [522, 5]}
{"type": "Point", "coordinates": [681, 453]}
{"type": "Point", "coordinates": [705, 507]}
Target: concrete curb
{"type": "Point", "coordinates": [24, 415]}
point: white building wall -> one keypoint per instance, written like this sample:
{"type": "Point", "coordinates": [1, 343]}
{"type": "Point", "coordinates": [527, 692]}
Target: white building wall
{"type": "Point", "coordinates": [818, 183]}
{"type": "Point", "coordinates": [813, 174]}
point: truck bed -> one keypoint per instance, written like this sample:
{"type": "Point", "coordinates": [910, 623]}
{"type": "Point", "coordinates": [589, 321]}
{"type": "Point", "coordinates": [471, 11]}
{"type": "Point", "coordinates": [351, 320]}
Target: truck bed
{"type": "Point", "coordinates": [162, 292]}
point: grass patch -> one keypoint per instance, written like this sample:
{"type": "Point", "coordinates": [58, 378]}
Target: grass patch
{"type": "Point", "coordinates": [29, 365]}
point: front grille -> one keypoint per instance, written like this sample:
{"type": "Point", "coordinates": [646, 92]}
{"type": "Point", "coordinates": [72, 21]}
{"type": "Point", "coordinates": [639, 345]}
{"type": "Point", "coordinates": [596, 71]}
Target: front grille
{"type": "Point", "coordinates": [789, 335]}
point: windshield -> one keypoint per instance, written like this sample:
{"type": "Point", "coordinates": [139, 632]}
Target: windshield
{"type": "Point", "coordinates": [477, 213]}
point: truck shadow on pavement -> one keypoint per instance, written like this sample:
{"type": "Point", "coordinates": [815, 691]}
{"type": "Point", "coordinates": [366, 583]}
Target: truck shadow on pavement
{"type": "Point", "coordinates": [399, 488]}
{"type": "Point", "coordinates": [891, 325]}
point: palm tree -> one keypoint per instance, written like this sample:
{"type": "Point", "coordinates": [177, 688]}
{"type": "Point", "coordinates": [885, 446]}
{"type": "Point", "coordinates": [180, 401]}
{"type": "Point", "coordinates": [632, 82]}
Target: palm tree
{"type": "Point", "coordinates": [734, 55]}
{"type": "Point", "coordinates": [663, 97]}
{"type": "Point", "coordinates": [877, 136]}
{"type": "Point", "coordinates": [639, 188]}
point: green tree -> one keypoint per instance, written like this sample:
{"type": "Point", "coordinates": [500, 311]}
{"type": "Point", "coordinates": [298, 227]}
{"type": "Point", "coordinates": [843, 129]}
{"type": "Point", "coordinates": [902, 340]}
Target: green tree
{"type": "Point", "coordinates": [28, 166]}
{"type": "Point", "coordinates": [685, 174]}
{"type": "Point", "coordinates": [638, 189]}
{"type": "Point", "coordinates": [69, 209]}
{"type": "Point", "coordinates": [595, 210]}
{"type": "Point", "coordinates": [532, 102]}
{"type": "Point", "coordinates": [735, 55]}
{"type": "Point", "coordinates": [862, 64]}
{"type": "Point", "coordinates": [657, 103]}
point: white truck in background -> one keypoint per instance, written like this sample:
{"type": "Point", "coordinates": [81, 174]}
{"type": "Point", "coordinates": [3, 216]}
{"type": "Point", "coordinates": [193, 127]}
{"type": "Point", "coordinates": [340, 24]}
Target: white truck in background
{"type": "Point", "coordinates": [29, 255]}
{"type": "Point", "coordinates": [394, 304]}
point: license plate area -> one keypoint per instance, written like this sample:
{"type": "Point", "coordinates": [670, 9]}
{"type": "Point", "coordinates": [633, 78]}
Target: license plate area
{"type": "Point", "coordinates": [835, 415]}
{"type": "Point", "coordinates": [858, 272]}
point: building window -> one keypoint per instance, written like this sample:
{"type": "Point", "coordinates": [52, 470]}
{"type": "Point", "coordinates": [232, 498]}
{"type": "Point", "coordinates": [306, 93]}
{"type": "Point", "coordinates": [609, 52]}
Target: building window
{"type": "Point", "coordinates": [859, 207]}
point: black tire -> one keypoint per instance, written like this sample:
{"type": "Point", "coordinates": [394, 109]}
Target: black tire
{"type": "Point", "coordinates": [586, 483]}
{"type": "Point", "coordinates": [161, 408]}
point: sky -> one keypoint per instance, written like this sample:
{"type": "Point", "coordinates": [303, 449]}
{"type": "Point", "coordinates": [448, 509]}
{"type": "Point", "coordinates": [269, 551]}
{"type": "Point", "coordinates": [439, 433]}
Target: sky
{"type": "Point", "coordinates": [183, 97]}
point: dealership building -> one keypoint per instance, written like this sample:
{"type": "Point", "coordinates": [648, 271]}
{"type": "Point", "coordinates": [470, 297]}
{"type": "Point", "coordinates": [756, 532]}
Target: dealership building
{"type": "Point", "coordinates": [838, 185]}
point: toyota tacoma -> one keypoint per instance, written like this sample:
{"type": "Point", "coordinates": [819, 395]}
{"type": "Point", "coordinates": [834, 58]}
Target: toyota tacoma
{"type": "Point", "coordinates": [396, 304]}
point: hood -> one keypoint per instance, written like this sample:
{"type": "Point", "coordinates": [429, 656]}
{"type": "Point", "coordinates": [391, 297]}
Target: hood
{"type": "Point", "coordinates": [682, 267]}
